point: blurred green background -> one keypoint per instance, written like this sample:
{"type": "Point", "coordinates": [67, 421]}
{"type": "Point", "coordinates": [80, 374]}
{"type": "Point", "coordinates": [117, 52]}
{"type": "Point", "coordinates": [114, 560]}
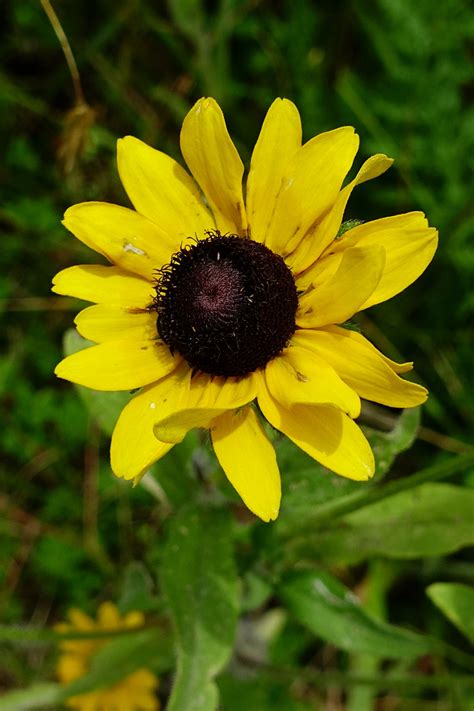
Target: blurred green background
{"type": "Point", "coordinates": [401, 72]}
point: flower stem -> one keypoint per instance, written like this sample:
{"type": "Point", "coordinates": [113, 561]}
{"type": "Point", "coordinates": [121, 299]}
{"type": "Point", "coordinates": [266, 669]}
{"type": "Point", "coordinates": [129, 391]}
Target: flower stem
{"type": "Point", "coordinates": [66, 47]}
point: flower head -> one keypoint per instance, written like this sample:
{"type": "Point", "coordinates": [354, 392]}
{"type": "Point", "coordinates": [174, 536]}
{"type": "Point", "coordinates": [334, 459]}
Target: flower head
{"type": "Point", "coordinates": [215, 303]}
{"type": "Point", "coordinates": [135, 692]}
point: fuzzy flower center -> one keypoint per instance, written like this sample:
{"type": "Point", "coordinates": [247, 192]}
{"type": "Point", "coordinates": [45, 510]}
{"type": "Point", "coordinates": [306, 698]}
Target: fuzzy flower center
{"type": "Point", "coordinates": [226, 304]}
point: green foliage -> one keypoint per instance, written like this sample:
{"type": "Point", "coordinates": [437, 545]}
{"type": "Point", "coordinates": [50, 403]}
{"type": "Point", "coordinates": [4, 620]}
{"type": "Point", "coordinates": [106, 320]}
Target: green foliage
{"type": "Point", "coordinates": [137, 589]}
{"type": "Point", "coordinates": [456, 601]}
{"type": "Point", "coordinates": [264, 694]}
{"type": "Point", "coordinates": [200, 584]}
{"type": "Point", "coordinates": [253, 613]}
{"type": "Point", "coordinates": [64, 564]}
{"type": "Point", "coordinates": [431, 520]}
{"type": "Point", "coordinates": [321, 603]}
{"type": "Point", "coordinates": [387, 445]}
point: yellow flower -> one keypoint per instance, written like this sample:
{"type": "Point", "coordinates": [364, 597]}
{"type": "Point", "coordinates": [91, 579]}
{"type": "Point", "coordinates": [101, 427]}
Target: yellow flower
{"type": "Point", "coordinates": [215, 302]}
{"type": "Point", "coordinates": [135, 692]}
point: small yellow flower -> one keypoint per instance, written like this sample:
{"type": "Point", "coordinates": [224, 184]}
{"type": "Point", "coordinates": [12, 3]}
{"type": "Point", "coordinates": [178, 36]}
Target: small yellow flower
{"type": "Point", "coordinates": [135, 692]}
{"type": "Point", "coordinates": [214, 302]}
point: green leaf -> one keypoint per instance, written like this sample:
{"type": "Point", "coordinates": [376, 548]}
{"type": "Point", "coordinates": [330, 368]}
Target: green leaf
{"type": "Point", "coordinates": [137, 590]}
{"type": "Point", "coordinates": [333, 613]}
{"type": "Point", "coordinates": [303, 492]}
{"type": "Point", "coordinates": [36, 696]}
{"type": "Point", "coordinates": [430, 520]}
{"type": "Point", "coordinates": [346, 226]}
{"type": "Point", "coordinates": [105, 407]}
{"type": "Point", "coordinates": [199, 580]}
{"type": "Point", "coordinates": [175, 471]}
{"type": "Point", "coordinates": [305, 486]}
{"type": "Point", "coordinates": [387, 445]}
{"type": "Point", "coordinates": [456, 601]}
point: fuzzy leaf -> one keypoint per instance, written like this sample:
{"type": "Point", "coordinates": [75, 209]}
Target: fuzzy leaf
{"type": "Point", "coordinates": [199, 580]}
{"type": "Point", "coordinates": [326, 607]}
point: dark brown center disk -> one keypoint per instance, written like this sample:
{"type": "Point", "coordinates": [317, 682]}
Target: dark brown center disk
{"type": "Point", "coordinates": [226, 304]}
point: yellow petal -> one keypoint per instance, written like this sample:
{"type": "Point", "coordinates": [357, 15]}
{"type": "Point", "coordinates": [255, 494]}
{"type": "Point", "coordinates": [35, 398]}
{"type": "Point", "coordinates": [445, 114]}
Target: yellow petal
{"type": "Point", "coordinates": [118, 365]}
{"type": "Point", "coordinates": [357, 337]}
{"type": "Point", "coordinates": [310, 186]}
{"type": "Point", "coordinates": [342, 295]}
{"type": "Point", "coordinates": [319, 272]}
{"type": "Point", "coordinates": [123, 236]}
{"type": "Point", "coordinates": [215, 163]}
{"type": "Point", "coordinates": [73, 665]}
{"type": "Point", "coordinates": [396, 367]}
{"type": "Point", "coordinates": [142, 682]}
{"type": "Point", "coordinates": [108, 616]}
{"type": "Point", "coordinates": [279, 139]}
{"type": "Point", "coordinates": [409, 246]}
{"type": "Point", "coordinates": [316, 241]}
{"type": "Point", "coordinates": [105, 285]}
{"type": "Point", "coordinates": [248, 459]}
{"type": "Point", "coordinates": [160, 189]}
{"type": "Point", "coordinates": [361, 366]}
{"type": "Point", "coordinates": [135, 618]}
{"type": "Point", "coordinates": [406, 221]}
{"type": "Point", "coordinates": [209, 397]}
{"type": "Point", "coordinates": [323, 432]}
{"type": "Point", "coordinates": [134, 447]}
{"type": "Point", "coordinates": [107, 322]}
{"type": "Point", "coordinates": [80, 621]}
{"type": "Point", "coordinates": [297, 377]}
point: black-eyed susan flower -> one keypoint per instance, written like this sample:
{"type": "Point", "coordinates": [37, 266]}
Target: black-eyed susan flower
{"type": "Point", "coordinates": [216, 303]}
{"type": "Point", "coordinates": [136, 692]}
